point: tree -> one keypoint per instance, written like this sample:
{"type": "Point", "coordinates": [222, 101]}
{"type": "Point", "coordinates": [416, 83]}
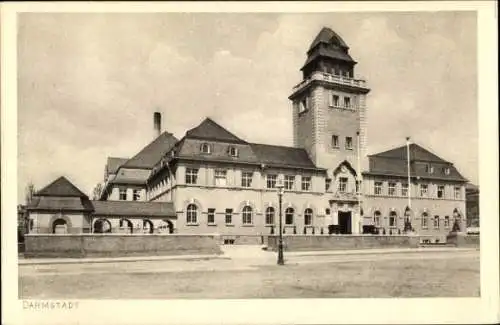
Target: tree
{"type": "Point", "coordinates": [29, 193]}
{"type": "Point", "coordinates": [97, 191]}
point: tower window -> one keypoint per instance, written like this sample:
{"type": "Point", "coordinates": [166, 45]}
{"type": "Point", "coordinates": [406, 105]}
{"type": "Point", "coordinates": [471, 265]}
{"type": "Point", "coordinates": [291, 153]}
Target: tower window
{"type": "Point", "coordinates": [334, 100]}
{"type": "Point", "coordinates": [347, 102]}
{"type": "Point", "coordinates": [328, 184]}
{"type": "Point", "coordinates": [335, 141]}
{"type": "Point", "coordinates": [343, 184]}
{"type": "Point", "coordinates": [348, 143]}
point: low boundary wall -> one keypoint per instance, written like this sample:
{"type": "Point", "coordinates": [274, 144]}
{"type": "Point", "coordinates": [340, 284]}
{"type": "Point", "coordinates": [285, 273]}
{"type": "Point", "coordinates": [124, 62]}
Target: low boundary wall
{"type": "Point", "coordinates": [115, 245]}
{"type": "Point", "coordinates": [345, 242]}
{"type": "Point", "coordinates": [463, 240]}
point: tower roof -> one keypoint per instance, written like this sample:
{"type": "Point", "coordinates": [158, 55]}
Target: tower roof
{"type": "Point", "coordinates": [328, 36]}
{"type": "Point", "coordinates": [210, 130]}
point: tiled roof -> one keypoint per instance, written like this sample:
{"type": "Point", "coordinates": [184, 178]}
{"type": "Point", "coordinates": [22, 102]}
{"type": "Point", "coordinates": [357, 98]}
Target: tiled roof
{"type": "Point", "coordinates": [210, 130]}
{"type": "Point", "coordinates": [329, 53]}
{"type": "Point", "coordinates": [153, 152]}
{"type": "Point", "coordinates": [60, 187]}
{"type": "Point", "coordinates": [327, 35]}
{"type": "Point", "coordinates": [133, 208]}
{"type": "Point", "coordinates": [416, 153]}
{"type": "Point", "coordinates": [282, 156]}
{"type": "Point", "coordinates": [61, 203]}
{"type": "Point", "coordinates": [114, 163]}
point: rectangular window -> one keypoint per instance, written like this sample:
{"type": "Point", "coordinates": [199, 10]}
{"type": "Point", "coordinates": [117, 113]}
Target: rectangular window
{"type": "Point", "coordinates": [424, 190]}
{"type": "Point", "coordinates": [211, 216]}
{"type": "Point", "coordinates": [289, 180]}
{"type": "Point", "coordinates": [392, 189]}
{"type": "Point", "coordinates": [440, 192]}
{"type": "Point", "coordinates": [458, 193]}
{"type": "Point", "coordinates": [335, 141]}
{"type": "Point", "coordinates": [378, 188]}
{"type": "Point", "coordinates": [335, 100]}
{"type": "Point", "coordinates": [447, 222]}
{"type": "Point", "coordinates": [392, 220]}
{"type": "Point", "coordinates": [191, 175]}
{"type": "Point", "coordinates": [447, 171]}
{"type": "Point", "coordinates": [348, 143]}
{"type": "Point", "coordinates": [404, 189]}
{"type": "Point", "coordinates": [347, 102]}
{"type": "Point", "coordinates": [123, 194]}
{"type": "Point", "coordinates": [343, 184]}
{"type": "Point", "coordinates": [328, 184]}
{"type": "Point", "coordinates": [358, 186]}
{"type": "Point", "coordinates": [136, 195]}
{"type": "Point", "coordinates": [436, 222]}
{"type": "Point", "coordinates": [424, 222]}
{"type": "Point", "coordinates": [306, 183]}
{"type": "Point", "coordinates": [271, 180]}
{"type": "Point", "coordinates": [246, 179]}
{"type": "Point", "coordinates": [220, 177]}
{"type": "Point", "coordinates": [229, 216]}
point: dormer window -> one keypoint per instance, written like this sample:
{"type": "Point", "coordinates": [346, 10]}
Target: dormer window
{"type": "Point", "coordinates": [447, 170]}
{"type": "Point", "coordinates": [233, 152]}
{"type": "Point", "coordinates": [205, 148]}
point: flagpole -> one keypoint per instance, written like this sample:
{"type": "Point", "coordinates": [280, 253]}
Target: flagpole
{"type": "Point", "coordinates": [408, 167]}
{"type": "Point", "coordinates": [358, 194]}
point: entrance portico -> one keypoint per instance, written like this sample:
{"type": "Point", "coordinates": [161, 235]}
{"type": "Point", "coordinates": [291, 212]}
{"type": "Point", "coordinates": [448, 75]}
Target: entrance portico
{"type": "Point", "coordinates": [345, 215]}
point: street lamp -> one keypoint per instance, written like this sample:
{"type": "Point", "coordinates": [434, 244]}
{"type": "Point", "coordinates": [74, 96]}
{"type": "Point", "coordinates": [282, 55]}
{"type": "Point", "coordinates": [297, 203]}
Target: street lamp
{"type": "Point", "coordinates": [280, 188]}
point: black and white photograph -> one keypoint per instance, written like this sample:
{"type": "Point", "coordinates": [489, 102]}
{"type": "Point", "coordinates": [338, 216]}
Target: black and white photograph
{"type": "Point", "coordinates": [213, 156]}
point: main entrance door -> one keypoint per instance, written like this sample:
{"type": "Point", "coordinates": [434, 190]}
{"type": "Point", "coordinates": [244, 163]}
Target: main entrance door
{"type": "Point", "coordinates": [345, 222]}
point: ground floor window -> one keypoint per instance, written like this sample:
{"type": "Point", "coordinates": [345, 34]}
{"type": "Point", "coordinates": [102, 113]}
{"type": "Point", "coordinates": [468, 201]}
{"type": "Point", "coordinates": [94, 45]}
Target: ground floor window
{"type": "Point", "coordinates": [247, 215]}
{"type": "Point", "coordinates": [126, 225]}
{"type": "Point", "coordinates": [376, 218]}
{"type": "Point", "coordinates": [447, 222]}
{"type": "Point", "coordinates": [425, 221]}
{"type": "Point", "coordinates": [308, 215]}
{"type": "Point", "coordinates": [102, 226]}
{"type": "Point", "coordinates": [147, 226]}
{"type": "Point", "coordinates": [392, 219]}
{"type": "Point", "coordinates": [289, 216]}
{"type": "Point", "coordinates": [436, 222]}
{"type": "Point", "coordinates": [59, 227]}
{"type": "Point", "coordinates": [192, 214]}
{"type": "Point", "coordinates": [270, 216]}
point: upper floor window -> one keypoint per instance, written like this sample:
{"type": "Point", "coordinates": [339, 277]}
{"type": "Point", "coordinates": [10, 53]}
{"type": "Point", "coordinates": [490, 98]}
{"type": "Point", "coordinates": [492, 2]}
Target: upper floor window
{"type": "Point", "coordinates": [348, 143]}
{"type": "Point", "coordinates": [392, 189]}
{"type": "Point", "coordinates": [334, 100]}
{"type": "Point", "coordinates": [289, 182]}
{"type": "Point", "coordinates": [246, 179]}
{"type": "Point", "coordinates": [233, 152]}
{"type": "Point", "coordinates": [458, 193]}
{"type": "Point", "coordinates": [404, 189]}
{"type": "Point", "coordinates": [136, 195]}
{"type": "Point", "coordinates": [343, 184]}
{"type": "Point", "coordinates": [191, 175]}
{"type": "Point", "coordinates": [328, 184]}
{"type": "Point", "coordinates": [271, 180]}
{"type": "Point", "coordinates": [123, 194]}
{"type": "Point", "coordinates": [335, 141]}
{"type": "Point", "coordinates": [440, 192]}
{"type": "Point", "coordinates": [306, 183]}
{"type": "Point", "coordinates": [192, 214]}
{"type": "Point", "coordinates": [308, 215]}
{"type": "Point", "coordinates": [378, 188]}
{"type": "Point", "coordinates": [424, 190]}
{"type": "Point", "coordinates": [205, 148]}
{"type": "Point", "coordinates": [347, 102]}
{"type": "Point", "coordinates": [220, 177]}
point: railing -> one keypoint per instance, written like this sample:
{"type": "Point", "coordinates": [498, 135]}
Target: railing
{"type": "Point", "coordinates": [323, 76]}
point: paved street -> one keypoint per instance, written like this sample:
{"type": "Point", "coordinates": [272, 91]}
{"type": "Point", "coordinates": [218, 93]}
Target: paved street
{"type": "Point", "coordinates": [248, 272]}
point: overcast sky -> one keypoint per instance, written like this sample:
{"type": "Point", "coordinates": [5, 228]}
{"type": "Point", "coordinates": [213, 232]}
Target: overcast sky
{"type": "Point", "coordinates": [89, 83]}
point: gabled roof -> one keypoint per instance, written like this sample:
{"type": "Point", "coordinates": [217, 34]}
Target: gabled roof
{"type": "Point", "coordinates": [416, 153]}
{"type": "Point", "coordinates": [210, 130]}
{"type": "Point", "coordinates": [60, 203]}
{"type": "Point", "coordinates": [152, 153]}
{"type": "Point", "coordinates": [134, 208]}
{"type": "Point", "coordinates": [114, 163]}
{"type": "Point", "coordinates": [61, 187]}
{"type": "Point", "coordinates": [327, 35]}
{"type": "Point", "coordinates": [282, 156]}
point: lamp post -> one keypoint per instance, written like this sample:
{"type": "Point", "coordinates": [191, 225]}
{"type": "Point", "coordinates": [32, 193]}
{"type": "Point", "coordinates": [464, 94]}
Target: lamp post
{"type": "Point", "coordinates": [281, 261]}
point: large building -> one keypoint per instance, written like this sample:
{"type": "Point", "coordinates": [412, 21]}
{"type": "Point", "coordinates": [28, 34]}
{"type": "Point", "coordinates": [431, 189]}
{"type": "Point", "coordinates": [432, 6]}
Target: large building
{"type": "Point", "coordinates": [211, 181]}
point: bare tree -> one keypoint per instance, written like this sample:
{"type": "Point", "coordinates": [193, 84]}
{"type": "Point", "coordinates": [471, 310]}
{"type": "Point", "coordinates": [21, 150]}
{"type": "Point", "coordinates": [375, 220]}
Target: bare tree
{"type": "Point", "coordinates": [97, 191]}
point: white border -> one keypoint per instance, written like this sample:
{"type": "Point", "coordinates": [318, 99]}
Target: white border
{"type": "Point", "coordinates": [436, 310]}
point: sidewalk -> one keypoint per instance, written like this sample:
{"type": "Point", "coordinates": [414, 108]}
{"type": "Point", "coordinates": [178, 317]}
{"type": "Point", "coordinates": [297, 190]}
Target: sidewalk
{"type": "Point", "coordinates": [235, 255]}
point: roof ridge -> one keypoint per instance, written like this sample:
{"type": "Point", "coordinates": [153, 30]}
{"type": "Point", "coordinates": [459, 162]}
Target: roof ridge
{"type": "Point", "coordinates": [61, 180]}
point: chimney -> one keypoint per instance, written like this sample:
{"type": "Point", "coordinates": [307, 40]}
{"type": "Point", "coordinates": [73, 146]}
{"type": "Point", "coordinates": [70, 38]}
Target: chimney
{"type": "Point", "coordinates": [157, 123]}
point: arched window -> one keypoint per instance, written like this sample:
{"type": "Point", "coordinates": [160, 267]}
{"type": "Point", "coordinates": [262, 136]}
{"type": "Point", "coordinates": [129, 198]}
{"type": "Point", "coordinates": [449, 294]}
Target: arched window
{"type": "Point", "coordinates": [376, 218]}
{"type": "Point", "coordinates": [308, 216]}
{"type": "Point", "coordinates": [126, 225]}
{"type": "Point", "coordinates": [205, 148]}
{"type": "Point", "coordinates": [60, 227]}
{"type": "Point", "coordinates": [102, 226]}
{"type": "Point", "coordinates": [192, 214]}
{"type": "Point", "coordinates": [147, 226]}
{"type": "Point", "coordinates": [247, 215]}
{"type": "Point", "coordinates": [166, 226]}
{"type": "Point", "coordinates": [289, 216]}
{"type": "Point", "coordinates": [392, 219]}
{"type": "Point", "coordinates": [269, 216]}
{"type": "Point", "coordinates": [425, 220]}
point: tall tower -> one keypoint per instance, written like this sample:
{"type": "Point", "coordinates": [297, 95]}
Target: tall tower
{"type": "Point", "coordinates": [329, 111]}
